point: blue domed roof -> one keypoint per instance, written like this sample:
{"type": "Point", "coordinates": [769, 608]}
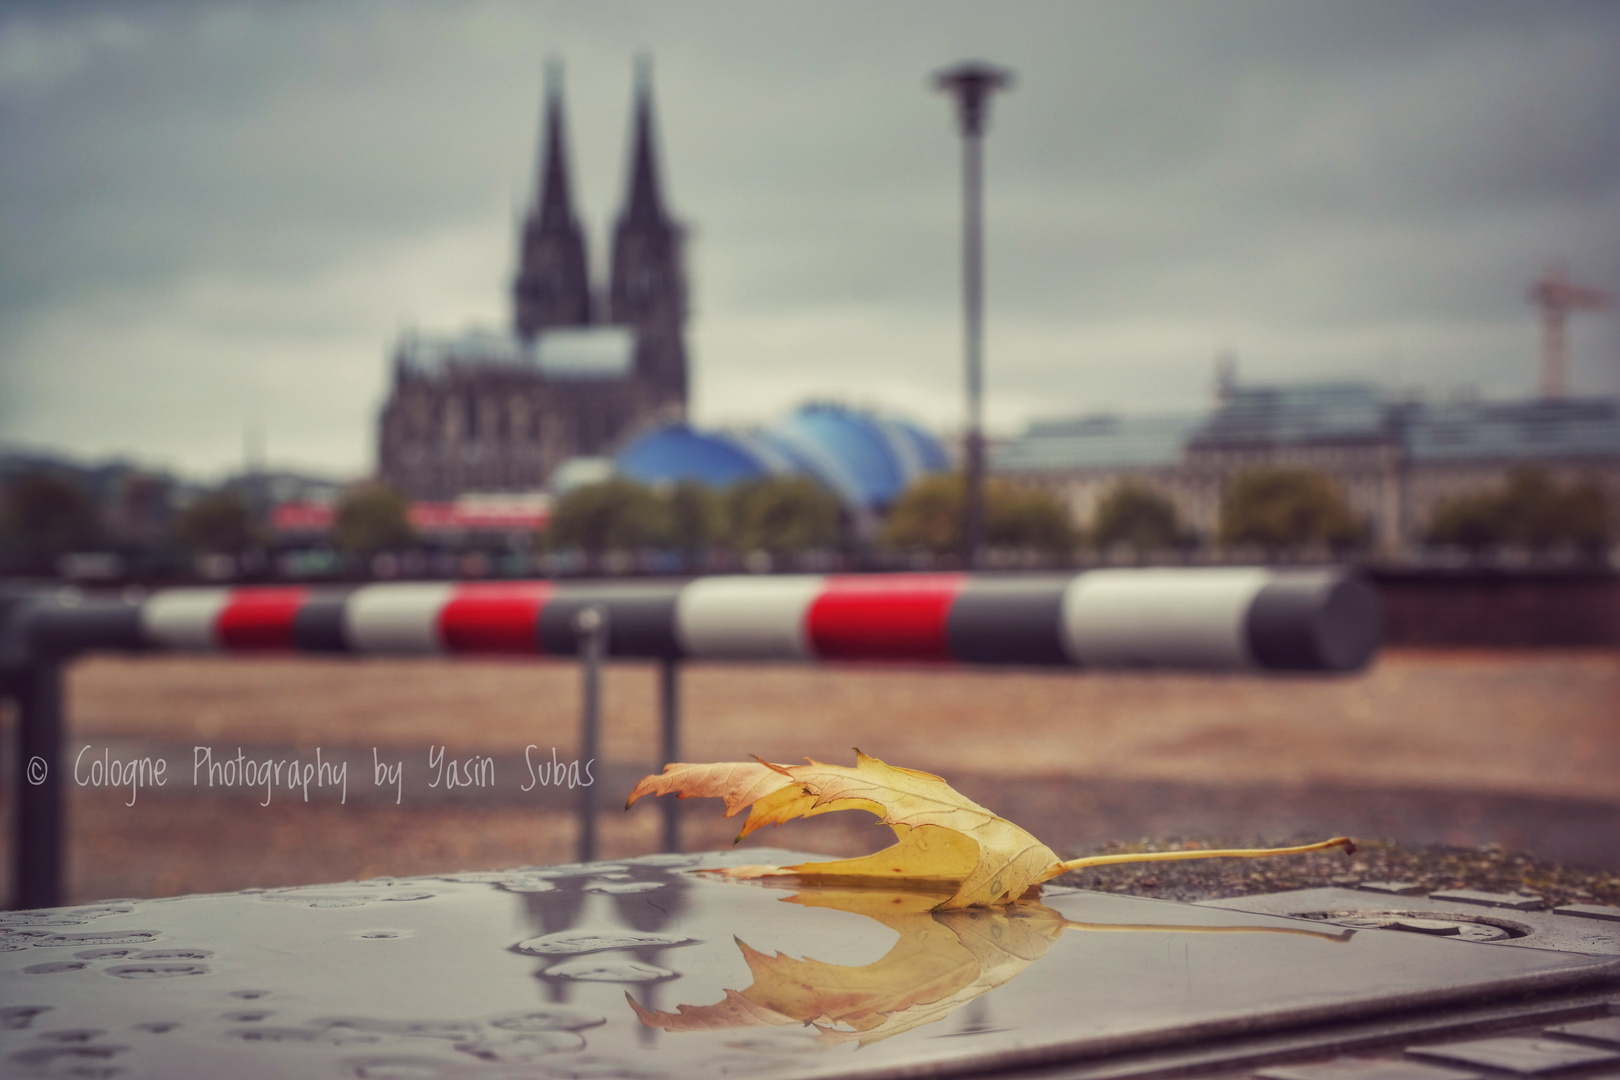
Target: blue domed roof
{"type": "Point", "coordinates": [677, 452]}
{"type": "Point", "coordinates": [867, 460]}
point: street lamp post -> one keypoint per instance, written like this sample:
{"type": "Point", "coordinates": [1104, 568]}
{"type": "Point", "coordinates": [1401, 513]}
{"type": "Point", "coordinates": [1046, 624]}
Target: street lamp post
{"type": "Point", "coordinates": [972, 83]}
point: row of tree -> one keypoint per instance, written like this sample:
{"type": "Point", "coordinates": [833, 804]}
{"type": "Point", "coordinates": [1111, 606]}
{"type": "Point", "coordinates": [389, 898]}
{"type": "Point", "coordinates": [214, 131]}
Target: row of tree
{"type": "Point", "coordinates": [1529, 510]}
{"type": "Point", "coordinates": [44, 515]}
{"type": "Point", "coordinates": [780, 515]}
{"type": "Point", "coordinates": [1276, 509]}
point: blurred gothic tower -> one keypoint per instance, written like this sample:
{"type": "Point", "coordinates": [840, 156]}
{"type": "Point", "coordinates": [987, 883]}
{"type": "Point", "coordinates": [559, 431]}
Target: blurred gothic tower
{"type": "Point", "coordinates": [581, 370]}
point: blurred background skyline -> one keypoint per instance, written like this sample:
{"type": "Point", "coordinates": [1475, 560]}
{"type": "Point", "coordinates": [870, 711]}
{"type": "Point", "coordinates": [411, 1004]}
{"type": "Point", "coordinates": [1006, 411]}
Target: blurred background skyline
{"type": "Point", "coordinates": [220, 219]}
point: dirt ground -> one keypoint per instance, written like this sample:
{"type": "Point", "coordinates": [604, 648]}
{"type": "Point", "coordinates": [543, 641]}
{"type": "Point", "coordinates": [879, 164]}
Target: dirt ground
{"type": "Point", "coordinates": [1529, 740]}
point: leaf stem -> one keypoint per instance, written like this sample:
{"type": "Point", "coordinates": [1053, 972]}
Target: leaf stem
{"type": "Point", "coordinates": [1144, 928]}
{"type": "Point", "coordinates": [1223, 853]}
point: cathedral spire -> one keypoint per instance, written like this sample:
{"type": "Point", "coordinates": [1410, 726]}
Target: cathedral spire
{"type": "Point", "coordinates": [647, 282]}
{"type": "Point", "coordinates": [554, 204]}
{"type": "Point", "coordinates": [552, 287]}
{"type": "Point", "coordinates": [644, 203]}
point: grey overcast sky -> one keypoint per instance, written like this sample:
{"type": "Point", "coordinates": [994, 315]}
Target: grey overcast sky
{"type": "Point", "coordinates": [221, 216]}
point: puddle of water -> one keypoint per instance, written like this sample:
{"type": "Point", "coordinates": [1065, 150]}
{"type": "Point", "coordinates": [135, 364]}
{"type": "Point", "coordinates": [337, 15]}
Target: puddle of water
{"type": "Point", "coordinates": [642, 968]}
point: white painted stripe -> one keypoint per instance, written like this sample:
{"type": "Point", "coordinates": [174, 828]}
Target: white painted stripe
{"type": "Point", "coordinates": [747, 618]}
{"type": "Point", "coordinates": [1164, 617]}
{"type": "Point", "coordinates": [398, 618]}
{"type": "Point", "coordinates": [183, 618]}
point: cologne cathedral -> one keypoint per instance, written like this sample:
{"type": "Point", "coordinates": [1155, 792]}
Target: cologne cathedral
{"type": "Point", "coordinates": [582, 369]}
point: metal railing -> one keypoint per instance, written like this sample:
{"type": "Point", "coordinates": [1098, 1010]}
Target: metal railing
{"type": "Point", "coordinates": [1325, 620]}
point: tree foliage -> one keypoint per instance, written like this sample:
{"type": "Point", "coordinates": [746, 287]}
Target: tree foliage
{"type": "Point", "coordinates": [1137, 517]}
{"type": "Point", "coordinates": [45, 515]}
{"type": "Point", "coordinates": [782, 515]}
{"type": "Point", "coordinates": [217, 522]}
{"type": "Point", "coordinates": [928, 517]}
{"type": "Point", "coordinates": [1028, 519]}
{"type": "Point", "coordinates": [371, 520]}
{"type": "Point", "coordinates": [697, 517]}
{"type": "Point", "coordinates": [615, 514]}
{"type": "Point", "coordinates": [1279, 508]}
{"type": "Point", "coordinates": [1530, 509]}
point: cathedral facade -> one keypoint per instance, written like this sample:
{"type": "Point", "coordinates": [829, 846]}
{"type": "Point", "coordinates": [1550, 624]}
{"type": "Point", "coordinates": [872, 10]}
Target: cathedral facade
{"type": "Point", "coordinates": [581, 369]}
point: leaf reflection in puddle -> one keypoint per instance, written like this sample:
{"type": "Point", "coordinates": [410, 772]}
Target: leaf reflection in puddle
{"type": "Point", "coordinates": [943, 960]}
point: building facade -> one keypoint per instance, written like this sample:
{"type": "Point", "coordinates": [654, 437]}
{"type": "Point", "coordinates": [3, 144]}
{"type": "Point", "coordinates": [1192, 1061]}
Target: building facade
{"type": "Point", "coordinates": [581, 370]}
{"type": "Point", "coordinates": [1396, 462]}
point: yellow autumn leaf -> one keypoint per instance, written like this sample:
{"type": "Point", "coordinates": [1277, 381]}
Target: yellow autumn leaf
{"type": "Point", "coordinates": [943, 840]}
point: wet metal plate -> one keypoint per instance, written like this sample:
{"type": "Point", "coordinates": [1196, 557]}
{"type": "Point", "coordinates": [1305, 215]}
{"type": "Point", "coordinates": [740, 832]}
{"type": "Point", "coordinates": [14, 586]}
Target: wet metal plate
{"type": "Point", "coordinates": [643, 968]}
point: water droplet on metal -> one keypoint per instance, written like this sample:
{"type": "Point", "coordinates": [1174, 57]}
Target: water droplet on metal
{"type": "Point", "coordinates": [526, 1046]}
{"type": "Point", "coordinates": [55, 968]}
{"type": "Point", "coordinates": [622, 887]}
{"type": "Point", "coordinates": [420, 1029]}
{"type": "Point", "coordinates": [103, 954]}
{"type": "Point", "coordinates": [105, 937]}
{"type": "Point", "coordinates": [594, 1068]}
{"type": "Point", "coordinates": [174, 954]}
{"type": "Point", "coordinates": [307, 898]}
{"type": "Point", "coordinates": [568, 870]}
{"type": "Point", "coordinates": [73, 1035]}
{"type": "Point", "coordinates": [248, 995]}
{"type": "Point", "coordinates": [382, 935]}
{"type": "Point", "coordinates": [329, 1036]}
{"type": "Point", "coordinates": [156, 971]}
{"type": "Point", "coordinates": [158, 1027]}
{"type": "Point", "coordinates": [607, 969]}
{"type": "Point", "coordinates": [575, 942]}
{"type": "Point", "coordinates": [18, 1017]}
{"type": "Point", "coordinates": [1437, 927]}
{"type": "Point", "coordinates": [80, 1061]}
{"type": "Point", "coordinates": [247, 1017]}
{"type": "Point", "coordinates": [13, 939]}
{"type": "Point", "coordinates": [548, 1020]}
{"type": "Point", "coordinates": [63, 917]}
{"type": "Point", "coordinates": [397, 1068]}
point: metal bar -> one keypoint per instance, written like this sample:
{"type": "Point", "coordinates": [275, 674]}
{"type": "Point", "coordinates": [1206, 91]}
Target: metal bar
{"type": "Point", "coordinates": [973, 334]}
{"type": "Point", "coordinates": [38, 865]}
{"type": "Point", "coordinates": [727, 617]}
{"type": "Point", "coordinates": [669, 714]}
{"type": "Point", "coordinates": [591, 625]}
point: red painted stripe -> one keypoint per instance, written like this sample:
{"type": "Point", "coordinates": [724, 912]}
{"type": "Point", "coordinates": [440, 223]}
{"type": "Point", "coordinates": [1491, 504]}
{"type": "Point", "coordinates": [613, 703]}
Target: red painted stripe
{"type": "Point", "coordinates": [259, 619]}
{"type": "Point", "coordinates": [884, 617]}
{"type": "Point", "coordinates": [494, 617]}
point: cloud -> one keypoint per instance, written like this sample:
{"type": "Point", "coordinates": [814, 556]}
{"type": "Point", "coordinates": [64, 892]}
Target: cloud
{"type": "Point", "coordinates": [224, 215]}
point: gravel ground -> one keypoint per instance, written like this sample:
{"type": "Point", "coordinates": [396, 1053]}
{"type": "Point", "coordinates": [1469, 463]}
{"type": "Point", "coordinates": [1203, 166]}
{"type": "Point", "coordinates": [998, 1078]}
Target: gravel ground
{"type": "Point", "coordinates": [1434, 867]}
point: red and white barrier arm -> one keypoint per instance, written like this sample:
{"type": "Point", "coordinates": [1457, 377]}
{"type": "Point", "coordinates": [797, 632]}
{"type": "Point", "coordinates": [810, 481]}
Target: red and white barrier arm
{"type": "Point", "coordinates": [1324, 620]}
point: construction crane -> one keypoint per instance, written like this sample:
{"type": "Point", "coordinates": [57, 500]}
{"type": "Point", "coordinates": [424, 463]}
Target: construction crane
{"type": "Point", "coordinates": [1556, 296]}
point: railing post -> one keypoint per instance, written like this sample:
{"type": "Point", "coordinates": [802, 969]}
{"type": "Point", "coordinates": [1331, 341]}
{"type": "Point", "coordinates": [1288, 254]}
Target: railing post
{"type": "Point", "coordinates": [591, 625]}
{"type": "Point", "coordinates": [669, 714]}
{"type": "Point", "coordinates": [37, 867]}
